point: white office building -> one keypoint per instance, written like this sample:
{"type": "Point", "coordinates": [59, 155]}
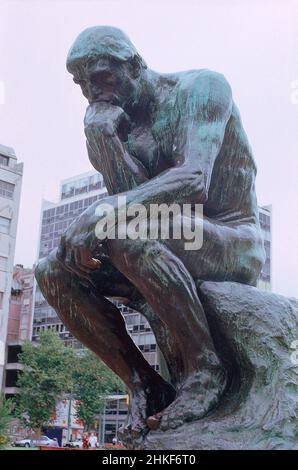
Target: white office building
{"type": "Point", "coordinates": [11, 174]}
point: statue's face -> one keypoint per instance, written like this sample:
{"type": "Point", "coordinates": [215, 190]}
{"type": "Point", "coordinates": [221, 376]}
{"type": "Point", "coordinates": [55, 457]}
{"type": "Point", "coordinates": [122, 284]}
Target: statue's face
{"type": "Point", "coordinates": [103, 80]}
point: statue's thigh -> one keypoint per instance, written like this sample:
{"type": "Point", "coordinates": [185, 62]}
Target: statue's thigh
{"type": "Point", "coordinates": [228, 252]}
{"type": "Point", "coordinates": [109, 281]}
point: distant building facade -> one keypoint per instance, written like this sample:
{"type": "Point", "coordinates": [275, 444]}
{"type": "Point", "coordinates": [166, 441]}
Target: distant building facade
{"type": "Point", "coordinates": [21, 304]}
{"type": "Point", "coordinates": [19, 328]}
{"type": "Point", "coordinates": [11, 173]}
{"type": "Point", "coordinates": [76, 194]}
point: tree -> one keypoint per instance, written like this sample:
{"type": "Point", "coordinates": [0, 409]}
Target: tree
{"type": "Point", "coordinates": [46, 376]}
{"type": "Point", "coordinates": [5, 418]}
{"type": "Point", "coordinates": [93, 382]}
{"type": "Point", "coordinates": [51, 372]}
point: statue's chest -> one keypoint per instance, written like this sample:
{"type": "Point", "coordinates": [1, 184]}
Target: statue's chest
{"type": "Point", "coordinates": [143, 144]}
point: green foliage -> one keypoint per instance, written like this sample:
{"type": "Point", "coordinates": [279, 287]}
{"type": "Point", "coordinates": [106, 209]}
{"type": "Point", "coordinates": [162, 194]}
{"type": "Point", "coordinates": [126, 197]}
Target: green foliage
{"type": "Point", "coordinates": [47, 374]}
{"type": "Point", "coordinates": [52, 370]}
{"type": "Point", "coordinates": [93, 381]}
{"type": "Point", "coordinates": [5, 418]}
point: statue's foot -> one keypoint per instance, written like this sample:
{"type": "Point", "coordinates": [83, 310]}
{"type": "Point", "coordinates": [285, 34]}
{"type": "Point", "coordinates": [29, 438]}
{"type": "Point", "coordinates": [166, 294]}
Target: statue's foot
{"type": "Point", "coordinates": [135, 428]}
{"type": "Point", "coordinates": [145, 402]}
{"type": "Point", "coordinates": [198, 395]}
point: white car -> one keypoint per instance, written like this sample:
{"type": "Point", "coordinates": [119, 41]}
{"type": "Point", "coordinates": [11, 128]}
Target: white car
{"type": "Point", "coordinates": [23, 442]}
{"type": "Point", "coordinates": [34, 442]}
{"type": "Point", "coordinates": [43, 441]}
{"type": "Point", "coordinates": [78, 443]}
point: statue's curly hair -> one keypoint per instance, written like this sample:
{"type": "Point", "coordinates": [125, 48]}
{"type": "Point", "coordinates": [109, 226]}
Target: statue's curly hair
{"type": "Point", "coordinates": [102, 41]}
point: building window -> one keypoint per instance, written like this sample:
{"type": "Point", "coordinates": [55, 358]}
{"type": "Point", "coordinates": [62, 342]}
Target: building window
{"type": "Point", "coordinates": [4, 160]}
{"type": "Point", "coordinates": [3, 263]}
{"type": "Point", "coordinates": [4, 224]}
{"type": "Point", "coordinates": [6, 189]}
{"type": "Point", "coordinates": [67, 190]}
{"type": "Point", "coordinates": [1, 300]}
{"type": "Point", "coordinates": [94, 182]}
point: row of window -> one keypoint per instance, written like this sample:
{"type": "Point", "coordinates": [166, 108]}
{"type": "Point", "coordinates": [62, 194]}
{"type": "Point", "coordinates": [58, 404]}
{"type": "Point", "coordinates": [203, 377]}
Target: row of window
{"type": "Point", "coordinates": [115, 412]}
{"type": "Point", "coordinates": [4, 225]}
{"type": "Point", "coordinates": [134, 319]}
{"type": "Point", "coordinates": [3, 263]}
{"type": "Point", "coordinates": [141, 327]}
{"type": "Point", "coordinates": [264, 220]}
{"type": "Point", "coordinates": [125, 310]}
{"type": "Point", "coordinates": [6, 189]}
{"type": "Point", "coordinates": [4, 160]}
{"type": "Point", "coordinates": [59, 328]}
{"type": "Point", "coordinates": [52, 229]}
{"type": "Point", "coordinates": [147, 347]}
{"type": "Point", "coordinates": [65, 209]}
{"type": "Point", "coordinates": [83, 185]}
{"type": "Point", "coordinates": [58, 226]}
{"type": "Point", "coordinates": [45, 313]}
{"type": "Point", "coordinates": [267, 248]}
{"type": "Point", "coordinates": [144, 339]}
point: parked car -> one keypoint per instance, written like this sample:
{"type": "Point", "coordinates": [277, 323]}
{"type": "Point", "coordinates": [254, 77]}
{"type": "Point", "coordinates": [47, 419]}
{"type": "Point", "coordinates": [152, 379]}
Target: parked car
{"type": "Point", "coordinates": [43, 441]}
{"type": "Point", "coordinates": [34, 442]}
{"type": "Point", "coordinates": [78, 443]}
{"type": "Point", "coordinates": [22, 442]}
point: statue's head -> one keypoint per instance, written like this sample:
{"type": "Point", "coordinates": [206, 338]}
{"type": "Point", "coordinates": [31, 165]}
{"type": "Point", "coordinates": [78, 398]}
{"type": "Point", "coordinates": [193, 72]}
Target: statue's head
{"type": "Point", "coordinates": [105, 63]}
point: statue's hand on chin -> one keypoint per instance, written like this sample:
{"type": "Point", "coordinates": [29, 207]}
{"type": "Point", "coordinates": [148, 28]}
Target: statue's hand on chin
{"type": "Point", "coordinates": [107, 119]}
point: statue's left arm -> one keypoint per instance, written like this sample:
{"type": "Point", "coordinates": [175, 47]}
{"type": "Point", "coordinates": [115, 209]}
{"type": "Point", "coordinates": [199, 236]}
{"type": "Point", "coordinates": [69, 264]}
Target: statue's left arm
{"type": "Point", "coordinates": [204, 104]}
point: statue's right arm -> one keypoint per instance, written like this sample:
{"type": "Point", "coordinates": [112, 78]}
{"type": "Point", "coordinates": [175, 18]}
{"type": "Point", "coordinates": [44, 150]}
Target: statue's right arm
{"type": "Point", "coordinates": [108, 155]}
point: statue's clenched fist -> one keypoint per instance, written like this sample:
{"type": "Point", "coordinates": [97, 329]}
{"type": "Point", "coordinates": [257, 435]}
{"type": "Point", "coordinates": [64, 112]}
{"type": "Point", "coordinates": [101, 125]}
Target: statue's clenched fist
{"type": "Point", "coordinates": [107, 119]}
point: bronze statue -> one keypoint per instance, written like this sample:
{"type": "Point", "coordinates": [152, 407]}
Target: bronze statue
{"type": "Point", "coordinates": [156, 138]}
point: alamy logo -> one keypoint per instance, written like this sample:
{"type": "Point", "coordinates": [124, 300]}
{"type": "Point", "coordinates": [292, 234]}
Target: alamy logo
{"type": "Point", "coordinates": [161, 221]}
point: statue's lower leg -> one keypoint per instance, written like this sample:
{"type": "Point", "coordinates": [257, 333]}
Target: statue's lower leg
{"type": "Point", "coordinates": [170, 291]}
{"type": "Point", "coordinates": [167, 344]}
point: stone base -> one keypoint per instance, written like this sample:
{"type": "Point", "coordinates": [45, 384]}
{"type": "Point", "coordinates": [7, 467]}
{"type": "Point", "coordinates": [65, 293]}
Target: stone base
{"type": "Point", "coordinates": [253, 331]}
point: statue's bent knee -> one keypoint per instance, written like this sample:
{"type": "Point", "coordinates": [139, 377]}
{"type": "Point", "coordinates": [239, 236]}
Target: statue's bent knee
{"type": "Point", "coordinates": [47, 271]}
{"type": "Point", "coordinates": [250, 266]}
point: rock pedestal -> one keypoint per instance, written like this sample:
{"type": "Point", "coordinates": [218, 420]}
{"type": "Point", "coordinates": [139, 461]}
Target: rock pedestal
{"type": "Point", "coordinates": [253, 331]}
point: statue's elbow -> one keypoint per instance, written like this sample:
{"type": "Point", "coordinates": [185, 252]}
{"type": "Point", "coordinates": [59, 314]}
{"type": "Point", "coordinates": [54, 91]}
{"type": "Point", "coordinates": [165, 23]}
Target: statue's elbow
{"type": "Point", "coordinates": [199, 187]}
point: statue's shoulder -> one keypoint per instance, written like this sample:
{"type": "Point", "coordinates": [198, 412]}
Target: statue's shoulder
{"type": "Point", "coordinates": [202, 84]}
{"type": "Point", "coordinates": [192, 79]}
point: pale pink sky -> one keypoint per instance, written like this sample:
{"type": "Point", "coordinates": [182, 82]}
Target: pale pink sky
{"type": "Point", "coordinates": [254, 43]}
